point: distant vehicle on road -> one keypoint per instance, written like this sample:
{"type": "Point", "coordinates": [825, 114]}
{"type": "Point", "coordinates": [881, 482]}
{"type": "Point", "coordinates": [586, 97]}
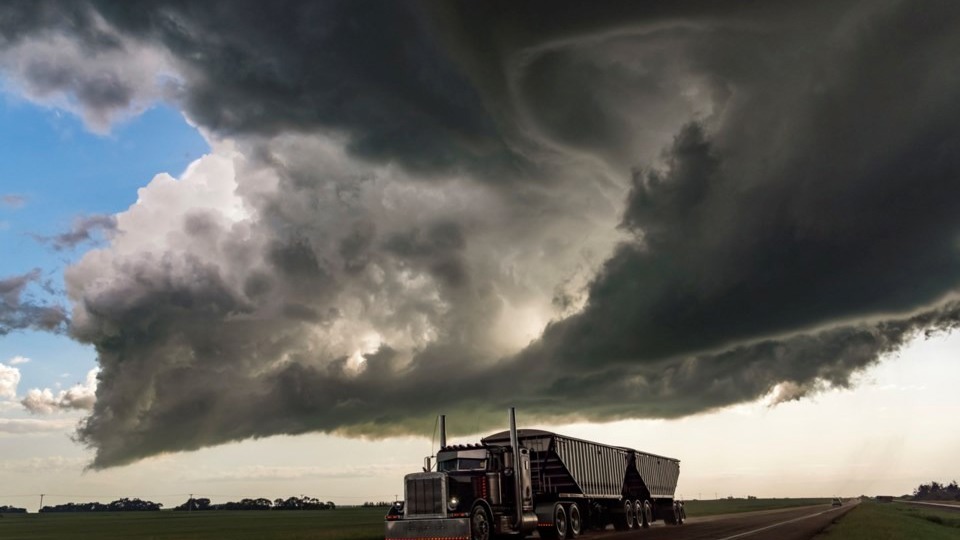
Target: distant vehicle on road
{"type": "Point", "coordinates": [837, 501]}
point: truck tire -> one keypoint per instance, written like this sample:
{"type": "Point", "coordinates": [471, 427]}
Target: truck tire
{"type": "Point", "coordinates": [645, 514]}
{"type": "Point", "coordinates": [679, 512]}
{"type": "Point", "coordinates": [574, 521]}
{"type": "Point", "coordinates": [558, 529]}
{"type": "Point", "coordinates": [624, 521]}
{"type": "Point", "coordinates": [670, 512]}
{"type": "Point", "coordinates": [481, 524]}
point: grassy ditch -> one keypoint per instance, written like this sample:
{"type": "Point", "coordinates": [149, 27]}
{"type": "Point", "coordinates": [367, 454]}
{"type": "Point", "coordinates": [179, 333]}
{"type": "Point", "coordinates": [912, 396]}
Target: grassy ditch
{"type": "Point", "coordinates": [735, 506]}
{"type": "Point", "coordinates": [895, 521]}
{"type": "Point", "coordinates": [339, 524]}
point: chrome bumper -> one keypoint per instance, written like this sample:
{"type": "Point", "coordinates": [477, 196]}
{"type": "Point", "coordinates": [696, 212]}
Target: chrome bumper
{"type": "Point", "coordinates": [433, 529]}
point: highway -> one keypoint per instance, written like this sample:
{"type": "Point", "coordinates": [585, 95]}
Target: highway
{"type": "Point", "coordinates": [940, 506]}
{"type": "Point", "coordinates": [785, 524]}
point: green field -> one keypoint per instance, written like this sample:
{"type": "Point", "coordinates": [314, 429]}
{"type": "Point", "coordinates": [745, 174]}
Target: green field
{"type": "Point", "coordinates": [734, 506]}
{"type": "Point", "coordinates": [895, 521]}
{"type": "Point", "coordinates": [339, 524]}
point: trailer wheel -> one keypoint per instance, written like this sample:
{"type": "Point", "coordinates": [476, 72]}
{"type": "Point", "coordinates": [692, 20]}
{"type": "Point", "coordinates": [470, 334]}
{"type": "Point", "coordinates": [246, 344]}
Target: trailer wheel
{"type": "Point", "coordinates": [575, 523]}
{"type": "Point", "coordinates": [558, 529]}
{"type": "Point", "coordinates": [677, 514]}
{"type": "Point", "coordinates": [646, 514]}
{"type": "Point", "coordinates": [624, 522]}
{"type": "Point", "coordinates": [480, 524]}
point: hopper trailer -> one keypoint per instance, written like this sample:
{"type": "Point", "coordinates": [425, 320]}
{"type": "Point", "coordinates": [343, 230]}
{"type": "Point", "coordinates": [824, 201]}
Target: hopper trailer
{"type": "Point", "coordinates": [519, 481]}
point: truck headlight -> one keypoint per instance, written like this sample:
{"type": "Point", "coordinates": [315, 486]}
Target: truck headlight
{"type": "Point", "coordinates": [453, 503]}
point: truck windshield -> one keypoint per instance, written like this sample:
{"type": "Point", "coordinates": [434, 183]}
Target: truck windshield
{"type": "Point", "coordinates": [461, 464]}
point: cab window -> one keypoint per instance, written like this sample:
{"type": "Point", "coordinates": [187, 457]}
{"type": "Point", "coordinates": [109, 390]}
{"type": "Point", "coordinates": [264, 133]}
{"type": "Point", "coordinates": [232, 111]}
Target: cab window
{"type": "Point", "coordinates": [461, 464]}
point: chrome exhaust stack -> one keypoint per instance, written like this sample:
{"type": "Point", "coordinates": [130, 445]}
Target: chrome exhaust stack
{"type": "Point", "coordinates": [518, 485]}
{"type": "Point", "coordinates": [443, 431]}
{"type": "Point", "coordinates": [526, 519]}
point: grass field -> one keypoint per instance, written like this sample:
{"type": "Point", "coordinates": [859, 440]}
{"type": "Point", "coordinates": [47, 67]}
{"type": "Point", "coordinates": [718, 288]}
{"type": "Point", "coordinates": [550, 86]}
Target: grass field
{"type": "Point", "coordinates": [894, 521]}
{"type": "Point", "coordinates": [340, 524]}
{"type": "Point", "coordinates": [734, 506]}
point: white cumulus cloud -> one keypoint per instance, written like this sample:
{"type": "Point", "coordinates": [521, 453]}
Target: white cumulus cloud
{"type": "Point", "coordinates": [78, 397]}
{"type": "Point", "coordinates": [9, 379]}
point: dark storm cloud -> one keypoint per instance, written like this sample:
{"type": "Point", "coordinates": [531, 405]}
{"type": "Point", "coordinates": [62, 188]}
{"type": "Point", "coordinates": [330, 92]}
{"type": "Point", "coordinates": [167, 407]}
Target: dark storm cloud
{"type": "Point", "coordinates": [64, 52]}
{"type": "Point", "coordinates": [790, 218]}
{"type": "Point", "coordinates": [373, 71]}
{"type": "Point", "coordinates": [841, 206]}
{"type": "Point", "coordinates": [84, 230]}
{"type": "Point", "coordinates": [20, 311]}
{"type": "Point", "coordinates": [211, 400]}
{"type": "Point", "coordinates": [436, 248]}
{"type": "Point", "coordinates": [21, 19]}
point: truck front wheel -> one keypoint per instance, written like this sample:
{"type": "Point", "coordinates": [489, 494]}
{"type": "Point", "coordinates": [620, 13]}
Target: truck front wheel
{"type": "Point", "coordinates": [481, 524]}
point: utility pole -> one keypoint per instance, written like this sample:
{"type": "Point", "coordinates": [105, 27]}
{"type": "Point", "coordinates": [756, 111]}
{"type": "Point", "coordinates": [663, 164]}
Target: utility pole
{"type": "Point", "coordinates": [190, 505]}
{"type": "Point", "coordinates": [41, 502]}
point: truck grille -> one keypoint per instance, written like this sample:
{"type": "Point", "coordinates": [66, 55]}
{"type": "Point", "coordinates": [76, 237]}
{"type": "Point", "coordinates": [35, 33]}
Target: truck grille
{"type": "Point", "coordinates": [425, 495]}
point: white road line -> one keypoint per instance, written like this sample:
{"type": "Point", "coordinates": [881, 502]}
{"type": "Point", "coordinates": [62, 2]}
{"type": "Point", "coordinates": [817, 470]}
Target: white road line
{"type": "Point", "coordinates": [748, 533]}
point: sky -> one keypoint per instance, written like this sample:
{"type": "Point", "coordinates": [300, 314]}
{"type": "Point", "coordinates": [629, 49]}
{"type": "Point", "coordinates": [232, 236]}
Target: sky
{"type": "Point", "coordinates": [254, 249]}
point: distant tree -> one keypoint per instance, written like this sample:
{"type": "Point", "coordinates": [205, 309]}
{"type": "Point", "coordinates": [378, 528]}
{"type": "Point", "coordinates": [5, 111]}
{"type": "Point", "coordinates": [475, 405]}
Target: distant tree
{"type": "Point", "coordinates": [194, 505]}
{"type": "Point", "coordinates": [935, 491]}
{"type": "Point", "coordinates": [133, 505]}
{"type": "Point", "coordinates": [953, 491]}
{"type": "Point", "coordinates": [290, 503]}
{"type": "Point", "coordinates": [12, 510]}
{"type": "Point", "coordinates": [119, 505]}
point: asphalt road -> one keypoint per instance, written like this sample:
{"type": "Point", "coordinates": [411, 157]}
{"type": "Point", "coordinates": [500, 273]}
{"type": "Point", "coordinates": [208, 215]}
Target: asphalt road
{"type": "Point", "coordinates": [939, 506]}
{"type": "Point", "coordinates": [787, 524]}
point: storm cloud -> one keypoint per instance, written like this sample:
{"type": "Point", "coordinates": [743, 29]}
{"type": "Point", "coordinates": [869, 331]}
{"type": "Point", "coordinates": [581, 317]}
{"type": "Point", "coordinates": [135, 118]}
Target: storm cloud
{"type": "Point", "coordinates": [590, 211]}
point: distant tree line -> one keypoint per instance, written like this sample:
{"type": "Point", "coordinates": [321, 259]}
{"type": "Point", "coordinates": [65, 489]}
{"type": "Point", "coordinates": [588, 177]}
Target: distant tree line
{"type": "Point", "coordinates": [376, 504]}
{"type": "Point", "coordinates": [935, 491]}
{"type": "Point", "coordinates": [119, 505]}
{"type": "Point", "coordinates": [290, 503]}
{"type": "Point", "coordinates": [192, 504]}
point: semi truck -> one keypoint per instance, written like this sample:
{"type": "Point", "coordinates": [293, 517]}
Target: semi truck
{"type": "Point", "coordinates": [517, 482]}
